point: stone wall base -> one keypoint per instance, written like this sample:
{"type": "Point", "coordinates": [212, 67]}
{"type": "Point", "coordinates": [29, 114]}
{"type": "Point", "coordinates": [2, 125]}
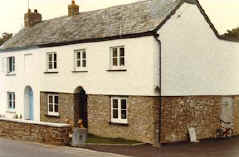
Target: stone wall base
{"type": "Point", "coordinates": [142, 118]}
{"type": "Point", "coordinates": [200, 112]}
{"type": "Point", "coordinates": [34, 132]}
{"type": "Point", "coordinates": [66, 108]}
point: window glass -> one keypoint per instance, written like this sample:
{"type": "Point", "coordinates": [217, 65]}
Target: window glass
{"type": "Point", "coordinates": [115, 103]}
{"type": "Point", "coordinates": [121, 52]}
{"type": "Point", "coordinates": [56, 100]}
{"type": "Point", "coordinates": [10, 64]}
{"type": "Point", "coordinates": [51, 107]}
{"type": "Point", "coordinates": [83, 55]}
{"type": "Point", "coordinates": [114, 52]}
{"type": "Point", "coordinates": [11, 100]}
{"type": "Point", "coordinates": [56, 108]}
{"type": "Point", "coordinates": [123, 114]}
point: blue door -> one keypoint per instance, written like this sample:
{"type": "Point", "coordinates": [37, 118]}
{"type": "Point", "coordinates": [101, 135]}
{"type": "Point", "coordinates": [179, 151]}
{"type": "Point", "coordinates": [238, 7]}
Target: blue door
{"type": "Point", "coordinates": [31, 110]}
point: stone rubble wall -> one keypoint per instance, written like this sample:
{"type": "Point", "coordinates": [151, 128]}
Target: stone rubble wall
{"type": "Point", "coordinates": [201, 112]}
{"type": "Point", "coordinates": [35, 132]}
{"type": "Point", "coordinates": [236, 115]}
{"type": "Point", "coordinates": [143, 117]}
{"type": "Point", "coordinates": [142, 124]}
{"type": "Point", "coordinates": [66, 108]}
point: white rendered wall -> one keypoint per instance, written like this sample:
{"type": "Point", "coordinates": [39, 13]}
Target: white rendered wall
{"type": "Point", "coordinates": [194, 61]}
{"type": "Point", "coordinates": [139, 79]}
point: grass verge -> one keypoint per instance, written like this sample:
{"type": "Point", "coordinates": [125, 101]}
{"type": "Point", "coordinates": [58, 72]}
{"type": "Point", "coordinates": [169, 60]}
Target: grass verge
{"type": "Point", "coordinates": [106, 140]}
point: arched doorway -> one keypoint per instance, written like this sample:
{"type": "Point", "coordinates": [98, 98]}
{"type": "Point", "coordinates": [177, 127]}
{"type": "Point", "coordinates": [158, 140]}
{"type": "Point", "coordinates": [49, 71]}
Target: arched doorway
{"type": "Point", "coordinates": [28, 103]}
{"type": "Point", "coordinates": [80, 107]}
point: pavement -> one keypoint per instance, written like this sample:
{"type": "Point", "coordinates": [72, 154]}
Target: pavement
{"type": "Point", "coordinates": [12, 148]}
{"type": "Point", "coordinates": [207, 148]}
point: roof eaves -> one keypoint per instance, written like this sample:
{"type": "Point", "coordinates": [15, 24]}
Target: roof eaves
{"type": "Point", "coordinates": [2, 50]}
{"type": "Point", "coordinates": [90, 40]}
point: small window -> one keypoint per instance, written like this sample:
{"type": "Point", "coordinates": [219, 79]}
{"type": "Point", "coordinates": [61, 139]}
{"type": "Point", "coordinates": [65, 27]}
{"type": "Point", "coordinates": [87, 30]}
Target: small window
{"type": "Point", "coordinates": [53, 105]}
{"type": "Point", "coordinates": [80, 59]}
{"type": "Point", "coordinates": [11, 101]}
{"type": "Point", "coordinates": [117, 57]}
{"type": "Point", "coordinates": [52, 61]}
{"type": "Point", "coordinates": [119, 110]}
{"type": "Point", "coordinates": [11, 64]}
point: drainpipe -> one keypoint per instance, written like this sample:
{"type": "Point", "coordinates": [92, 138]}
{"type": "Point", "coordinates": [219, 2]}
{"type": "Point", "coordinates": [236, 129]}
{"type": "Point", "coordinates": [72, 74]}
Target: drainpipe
{"type": "Point", "coordinates": [156, 36]}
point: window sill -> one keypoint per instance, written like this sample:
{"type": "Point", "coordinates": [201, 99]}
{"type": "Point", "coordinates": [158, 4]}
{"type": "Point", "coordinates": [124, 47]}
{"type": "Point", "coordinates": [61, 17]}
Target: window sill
{"type": "Point", "coordinates": [11, 111]}
{"type": "Point", "coordinates": [115, 70]}
{"type": "Point", "coordinates": [53, 116]}
{"type": "Point", "coordinates": [117, 123]}
{"type": "Point", "coordinates": [79, 71]}
{"type": "Point", "coordinates": [51, 72]}
{"type": "Point", "coordinates": [11, 74]}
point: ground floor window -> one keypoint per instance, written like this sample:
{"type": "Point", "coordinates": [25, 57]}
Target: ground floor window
{"type": "Point", "coordinates": [119, 110]}
{"type": "Point", "coordinates": [11, 101]}
{"type": "Point", "coordinates": [53, 105]}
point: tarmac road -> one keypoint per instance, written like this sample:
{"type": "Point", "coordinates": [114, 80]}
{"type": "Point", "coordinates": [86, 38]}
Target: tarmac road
{"type": "Point", "coordinates": [11, 148]}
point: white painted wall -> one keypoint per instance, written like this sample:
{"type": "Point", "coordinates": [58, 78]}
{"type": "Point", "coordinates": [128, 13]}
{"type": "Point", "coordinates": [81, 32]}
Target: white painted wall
{"type": "Point", "coordinates": [141, 62]}
{"type": "Point", "coordinates": [194, 61]}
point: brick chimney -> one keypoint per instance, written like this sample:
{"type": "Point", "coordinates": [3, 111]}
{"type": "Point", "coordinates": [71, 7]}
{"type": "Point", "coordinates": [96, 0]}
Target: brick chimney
{"type": "Point", "coordinates": [32, 18]}
{"type": "Point", "coordinates": [73, 9]}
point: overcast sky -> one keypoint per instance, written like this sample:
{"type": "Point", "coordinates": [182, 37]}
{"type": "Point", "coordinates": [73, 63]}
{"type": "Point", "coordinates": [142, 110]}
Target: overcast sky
{"type": "Point", "coordinates": [223, 13]}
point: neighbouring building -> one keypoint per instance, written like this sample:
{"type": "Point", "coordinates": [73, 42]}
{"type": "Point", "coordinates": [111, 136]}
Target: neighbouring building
{"type": "Point", "coordinates": [144, 71]}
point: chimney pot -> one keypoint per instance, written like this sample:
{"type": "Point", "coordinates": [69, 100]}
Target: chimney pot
{"type": "Point", "coordinates": [73, 9]}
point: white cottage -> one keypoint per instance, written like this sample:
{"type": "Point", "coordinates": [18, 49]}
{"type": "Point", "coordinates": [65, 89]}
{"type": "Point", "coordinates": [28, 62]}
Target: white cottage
{"type": "Point", "coordinates": [144, 71]}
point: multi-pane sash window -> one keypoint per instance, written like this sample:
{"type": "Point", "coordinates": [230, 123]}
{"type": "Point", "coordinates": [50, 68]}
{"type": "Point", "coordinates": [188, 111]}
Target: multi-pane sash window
{"type": "Point", "coordinates": [10, 64]}
{"type": "Point", "coordinates": [119, 110]}
{"type": "Point", "coordinates": [52, 61]}
{"type": "Point", "coordinates": [11, 100]}
{"type": "Point", "coordinates": [118, 57]}
{"type": "Point", "coordinates": [80, 59]}
{"type": "Point", "coordinates": [53, 105]}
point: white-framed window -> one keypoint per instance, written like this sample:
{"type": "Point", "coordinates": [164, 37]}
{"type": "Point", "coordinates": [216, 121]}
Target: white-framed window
{"type": "Point", "coordinates": [11, 64]}
{"type": "Point", "coordinates": [11, 103]}
{"type": "Point", "coordinates": [80, 59]}
{"type": "Point", "coordinates": [119, 110]}
{"type": "Point", "coordinates": [51, 61]}
{"type": "Point", "coordinates": [53, 104]}
{"type": "Point", "coordinates": [117, 57]}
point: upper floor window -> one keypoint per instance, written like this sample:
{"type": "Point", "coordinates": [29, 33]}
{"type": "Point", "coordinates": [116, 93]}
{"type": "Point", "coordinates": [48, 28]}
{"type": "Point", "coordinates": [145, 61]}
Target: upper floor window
{"type": "Point", "coordinates": [11, 64]}
{"type": "Point", "coordinates": [52, 61]}
{"type": "Point", "coordinates": [11, 101]}
{"type": "Point", "coordinates": [119, 110]}
{"type": "Point", "coordinates": [117, 57]}
{"type": "Point", "coordinates": [53, 105]}
{"type": "Point", "coordinates": [80, 59]}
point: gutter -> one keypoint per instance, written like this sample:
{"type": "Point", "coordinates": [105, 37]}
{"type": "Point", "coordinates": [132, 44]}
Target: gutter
{"type": "Point", "coordinates": [156, 36]}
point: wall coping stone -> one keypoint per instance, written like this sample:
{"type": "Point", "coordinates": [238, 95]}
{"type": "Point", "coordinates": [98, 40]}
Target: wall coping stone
{"type": "Point", "coordinates": [58, 125]}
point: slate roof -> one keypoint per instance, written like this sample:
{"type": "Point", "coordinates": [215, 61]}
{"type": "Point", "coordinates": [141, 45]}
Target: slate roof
{"type": "Point", "coordinates": [134, 18]}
